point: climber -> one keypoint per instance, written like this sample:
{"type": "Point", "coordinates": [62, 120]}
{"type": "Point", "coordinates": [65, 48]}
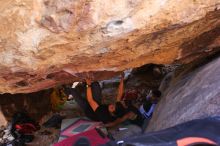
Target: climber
{"type": "Point", "coordinates": [120, 111]}
{"type": "Point", "coordinates": [93, 107]}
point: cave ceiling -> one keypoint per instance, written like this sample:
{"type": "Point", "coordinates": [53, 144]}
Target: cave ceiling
{"type": "Point", "coordinates": [44, 43]}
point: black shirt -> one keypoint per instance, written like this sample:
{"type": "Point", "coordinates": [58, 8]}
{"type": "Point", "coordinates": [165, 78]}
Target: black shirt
{"type": "Point", "coordinates": [130, 108]}
{"type": "Point", "coordinates": [104, 115]}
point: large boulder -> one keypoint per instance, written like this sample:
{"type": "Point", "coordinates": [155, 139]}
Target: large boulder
{"type": "Point", "coordinates": [190, 95]}
{"type": "Point", "coordinates": [49, 42]}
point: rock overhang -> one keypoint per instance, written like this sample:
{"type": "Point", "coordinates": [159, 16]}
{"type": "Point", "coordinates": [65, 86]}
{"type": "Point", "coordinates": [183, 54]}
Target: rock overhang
{"type": "Point", "coordinates": [44, 43]}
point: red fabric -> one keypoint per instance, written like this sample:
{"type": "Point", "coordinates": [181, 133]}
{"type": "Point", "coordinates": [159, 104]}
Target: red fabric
{"type": "Point", "coordinates": [131, 94]}
{"type": "Point", "coordinates": [70, 131]}
{"type": "Point", "coordinates": [92, 135]}
{"type": "Point", "coordinates": [26, 128]}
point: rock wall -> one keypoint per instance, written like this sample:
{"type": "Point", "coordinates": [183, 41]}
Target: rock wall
{"type": "Point", "coordinates": [36, 104]}
{"type": "Point", "coordinates": [49, 42]}
{"type": "Point", "coordinates": [188, 96]}
{"type": "Point", "coordinates": [3, 121]}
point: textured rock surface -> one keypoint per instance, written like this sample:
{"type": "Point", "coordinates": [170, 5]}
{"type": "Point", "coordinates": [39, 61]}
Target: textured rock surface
{"type": "Point", "coordinates": [3, 121]}
{"type": "Point", "coordinates": [43, 42]}
{"type": "Point", "coordinates": [190, 96]}
{"type": "Point", "coordinates": [36, 104]}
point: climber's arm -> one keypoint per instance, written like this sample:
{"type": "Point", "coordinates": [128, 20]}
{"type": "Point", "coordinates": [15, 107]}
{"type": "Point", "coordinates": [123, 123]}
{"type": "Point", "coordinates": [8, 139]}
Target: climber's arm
{"type": "Point", "coordinates": [89, 97]}
{"type": "Point", "coordinates": [120, 88]}
{"type": "Point", "coordinates": [119, 120]}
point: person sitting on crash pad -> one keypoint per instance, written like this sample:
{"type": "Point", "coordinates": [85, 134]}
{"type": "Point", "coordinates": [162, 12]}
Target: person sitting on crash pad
{"type": "Point", "coordinates": [141, 113]}
{"type": "Point", "coordinates": [94, 109]}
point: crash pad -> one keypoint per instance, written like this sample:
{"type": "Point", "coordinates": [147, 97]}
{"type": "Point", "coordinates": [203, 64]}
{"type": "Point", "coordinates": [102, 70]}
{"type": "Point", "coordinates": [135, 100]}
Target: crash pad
{"type": "Point", "coordinates": [92, 136]}
{"type": "Point", "coordinates": [198, 131]}
{"type": "Point", "coordinates": [74, 126]}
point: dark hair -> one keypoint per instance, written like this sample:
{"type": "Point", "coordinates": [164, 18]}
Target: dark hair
{"type": "Point", "coordinates": [156, 93]}
{"type": "Point", "coordinates": [67, 90]}
{"type": "Point", "coordinates": [119, 109]}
